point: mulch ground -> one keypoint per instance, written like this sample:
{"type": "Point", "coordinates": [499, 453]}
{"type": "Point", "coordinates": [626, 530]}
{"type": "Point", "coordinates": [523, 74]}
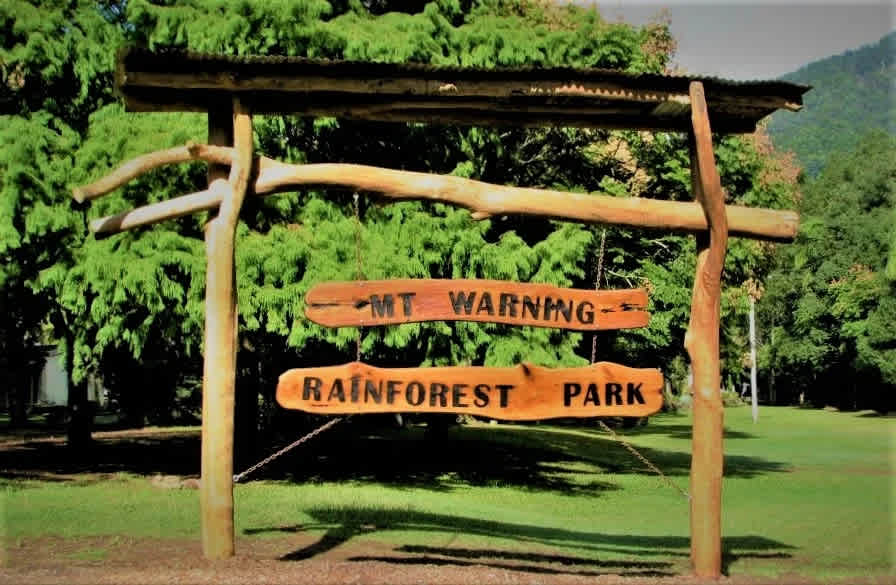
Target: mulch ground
{"type": "Point", "coordinates": [127, 560]}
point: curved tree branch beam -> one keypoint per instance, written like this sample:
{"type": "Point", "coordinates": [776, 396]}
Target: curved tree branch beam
{"type": "Point", "coordinates": [153, 160]}
{"type": "Point", "coordinates": [483, 199]}
{"type": "Point", "coordinates": [155, 212]}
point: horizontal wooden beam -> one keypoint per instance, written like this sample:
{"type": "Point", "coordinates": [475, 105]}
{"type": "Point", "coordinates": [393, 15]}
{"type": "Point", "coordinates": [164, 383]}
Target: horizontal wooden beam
{"type": "Point", "coordinates": [669, 116]}
{"type": "Point", "coordinates": [387, 302]}
{"type": "Point", "coordinates": [523, 392]}
{"type": "Point", "coordinates": [443, 86]}
{"type": "Point", "coordinates": [483, 199]}
{"type": "Point", "coordinates": [407, 92]}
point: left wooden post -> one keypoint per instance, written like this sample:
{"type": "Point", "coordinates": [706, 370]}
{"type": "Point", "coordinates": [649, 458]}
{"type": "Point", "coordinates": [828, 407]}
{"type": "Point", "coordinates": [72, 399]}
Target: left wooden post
{"type": "Point", "coordinates": [226, 122]}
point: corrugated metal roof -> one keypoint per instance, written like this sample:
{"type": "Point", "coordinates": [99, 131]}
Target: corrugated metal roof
{"type": "Point", "coordinates": [414, 91]}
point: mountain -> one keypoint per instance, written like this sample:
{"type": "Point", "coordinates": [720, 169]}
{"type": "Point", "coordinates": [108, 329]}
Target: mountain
{"type": "Point", "coordinates": [852, 94]}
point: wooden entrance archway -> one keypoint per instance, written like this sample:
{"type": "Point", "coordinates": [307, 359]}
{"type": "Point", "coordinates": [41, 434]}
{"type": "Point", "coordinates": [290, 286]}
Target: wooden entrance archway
{"type": "Point", "coordinates": [230, 89]}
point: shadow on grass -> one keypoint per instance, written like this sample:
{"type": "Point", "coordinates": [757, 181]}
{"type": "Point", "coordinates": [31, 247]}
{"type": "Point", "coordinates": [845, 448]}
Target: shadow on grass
{"type": "Point", "coordinates": [573, 460]}
{"type": "Point", "coordinates": [600, 449]}
{"type": "Point", "coordinates": [611, 553]}
{"type": "Point", "coordinates": [469, 456]}
{"type": "Point", "coordinates": [170, 454]}
{"type": "Point", "coordinates": [678, 431]}
{"type": "Point", "coordinates": [576, 460]}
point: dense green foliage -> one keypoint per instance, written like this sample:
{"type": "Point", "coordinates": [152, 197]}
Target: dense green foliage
{"type": "Point", "coordinates": [831, 304]}
{"type": "Point", "coordinates": [851, 94]}
{"type": "Point", "coordinates": [56, 69]}
{"type": "Point", "coordinates": [130, 307]}
{"type": "Point", "coordinates": [806, 494]}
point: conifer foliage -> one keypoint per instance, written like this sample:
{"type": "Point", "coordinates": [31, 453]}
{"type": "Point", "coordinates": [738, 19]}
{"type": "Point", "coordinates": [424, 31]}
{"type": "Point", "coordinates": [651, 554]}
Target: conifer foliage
{"type": "Point", "coordinates": [131, 305]}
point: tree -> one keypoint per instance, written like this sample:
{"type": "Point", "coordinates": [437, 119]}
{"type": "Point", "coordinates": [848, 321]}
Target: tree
{"type": "Point", "coordinates": [57, 62]}
{"type": "Point", "coordinates": [37, 229]}
{"type": "Point", "coordinates": [137, 297]}
{"type": "Point", "coordinates": [830, 298]}
{"type": "Point", "coordinates": [277, 264]}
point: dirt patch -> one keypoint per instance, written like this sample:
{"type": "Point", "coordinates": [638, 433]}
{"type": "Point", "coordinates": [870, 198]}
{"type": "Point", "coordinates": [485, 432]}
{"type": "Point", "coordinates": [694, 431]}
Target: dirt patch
{"type": "Point", "coordinates": [129, 560]}
{"type": "Point", "coordinates": [44, 437]}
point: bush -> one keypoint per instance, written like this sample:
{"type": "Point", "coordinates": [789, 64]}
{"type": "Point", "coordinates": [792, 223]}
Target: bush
{"type": "Point", "coordinates": [730, 398]}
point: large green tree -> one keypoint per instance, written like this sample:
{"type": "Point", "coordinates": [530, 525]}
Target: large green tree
{"type": "Point", "coordinates": [56, 60]}
{"type": "Point", "coordinates": [134, 300]}
{"type": "Point", "coordinates": [831, 303]}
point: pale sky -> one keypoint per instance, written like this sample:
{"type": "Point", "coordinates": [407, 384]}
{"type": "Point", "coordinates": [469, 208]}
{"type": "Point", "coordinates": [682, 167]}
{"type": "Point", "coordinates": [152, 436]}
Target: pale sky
{"type": "Point", "coordinates": [760, 40]}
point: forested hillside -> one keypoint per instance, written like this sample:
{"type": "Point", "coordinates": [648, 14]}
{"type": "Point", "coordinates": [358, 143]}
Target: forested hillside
{"type": "Point", "coordinates": [852, 94]}
{"type": "Point", "coordinates": [129, 308]}
{"type": "Point", "coordinates": [827, 316]}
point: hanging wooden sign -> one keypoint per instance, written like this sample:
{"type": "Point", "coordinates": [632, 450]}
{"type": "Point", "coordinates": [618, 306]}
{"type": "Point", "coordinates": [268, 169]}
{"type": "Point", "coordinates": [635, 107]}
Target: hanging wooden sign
{"type": "Point", "coordinates": [386, 302]}
{"type": "Point", "coordinates": [523, 392]}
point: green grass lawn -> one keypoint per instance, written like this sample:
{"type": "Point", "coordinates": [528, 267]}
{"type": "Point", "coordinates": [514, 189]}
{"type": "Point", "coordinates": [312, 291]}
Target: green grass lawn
{"type": "Point", "coordinates": [806, 492]}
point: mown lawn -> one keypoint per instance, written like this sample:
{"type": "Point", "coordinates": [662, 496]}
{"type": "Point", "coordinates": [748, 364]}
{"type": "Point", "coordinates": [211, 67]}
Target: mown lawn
{"type": "Point", "coordinates": [807, 492]}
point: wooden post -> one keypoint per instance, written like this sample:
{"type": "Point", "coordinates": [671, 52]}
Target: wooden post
{"type": "Point", "coordinates": [702, 344]}
{"type": "Point", "coordinates": [219, 368]}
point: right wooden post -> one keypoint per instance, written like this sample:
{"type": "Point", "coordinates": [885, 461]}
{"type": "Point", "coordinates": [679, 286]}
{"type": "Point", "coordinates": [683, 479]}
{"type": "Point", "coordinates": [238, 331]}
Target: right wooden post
{"type": "Point", "coordinates": [702, 344]}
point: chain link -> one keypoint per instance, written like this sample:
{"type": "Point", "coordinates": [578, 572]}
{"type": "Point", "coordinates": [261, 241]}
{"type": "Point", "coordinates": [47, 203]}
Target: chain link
{"type": "Point", "coordinates": [603, 425]}
{"type": "Point", "coordinates": [239, 476]}
{"type": "Point", "coordinates": [600, 269]}
{"type": "Point", "coordinates": [360, 272]}
{"type": "Point", "coordinates": [360, 276]}
{"type": "Point", "coordinates": [643, 459]}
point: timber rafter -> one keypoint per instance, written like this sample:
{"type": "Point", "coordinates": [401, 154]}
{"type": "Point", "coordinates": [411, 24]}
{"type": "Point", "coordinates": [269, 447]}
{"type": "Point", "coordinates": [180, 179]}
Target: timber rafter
{"type": "Point", "coordinates": [415, 92]}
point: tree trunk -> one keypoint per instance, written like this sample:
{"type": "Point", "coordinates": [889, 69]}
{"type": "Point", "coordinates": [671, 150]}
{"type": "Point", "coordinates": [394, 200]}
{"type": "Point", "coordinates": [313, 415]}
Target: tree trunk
{"type": "Point", "coordinates": [20, 393]}
{"type": "Point", "coordinates": [754, 401]}
{"type": "Point", "coordinates": [245, 447]}
{"type": "Point", "coordinates": [80, 411]}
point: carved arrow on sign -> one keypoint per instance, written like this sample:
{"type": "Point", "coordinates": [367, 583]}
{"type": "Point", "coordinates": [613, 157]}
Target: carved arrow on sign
{"type": "Point", "coordinates": [523, 392]}
{"type": "Point", "coordinates": [385, 302]}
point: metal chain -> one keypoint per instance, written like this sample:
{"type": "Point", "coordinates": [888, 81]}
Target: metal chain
{"type": "Point", "coordinates": [603, 425]}
{"type": "Point", "coordinates": [360, 273]}
{"type": "Point", "coordinates": [600, 269]}
{"type": "Point", "coordinates": [330, 423]}
{"type": "Point", "coordinates": [239, 476]}
{"type": "Point", "coordinates": [643, 459]}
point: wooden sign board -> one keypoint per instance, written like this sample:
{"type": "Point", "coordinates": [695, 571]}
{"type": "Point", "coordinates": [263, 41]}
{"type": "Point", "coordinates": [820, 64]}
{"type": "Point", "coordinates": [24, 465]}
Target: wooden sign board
{"type": "Point", "coordinates": [524, 392]}
{"type": "Point", "coordinates": [386, 302]}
